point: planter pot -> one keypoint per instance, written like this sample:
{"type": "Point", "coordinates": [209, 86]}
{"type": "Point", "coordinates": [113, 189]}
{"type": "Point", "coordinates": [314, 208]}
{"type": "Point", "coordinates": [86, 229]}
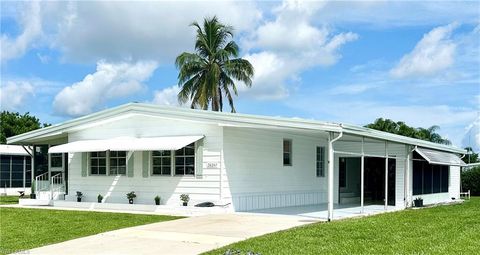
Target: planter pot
{"type": "Point", "coordinates": [418, 203]}
{"type": "Point", "coordinates": [185, 203]}
{"type": "Point", "coordinates": [157, 202]}
{"type": "Point", "coordinates": [130, 201]}
{"type": "Point", "coordinates": [33, 196]}
{"type": "Point", "coordinates": [99, 201]}
{"type": "Point", "coordinates": [79, 199]}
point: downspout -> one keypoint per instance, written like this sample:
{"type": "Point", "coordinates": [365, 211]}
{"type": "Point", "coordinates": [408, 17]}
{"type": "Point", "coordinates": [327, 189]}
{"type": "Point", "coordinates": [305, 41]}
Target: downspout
{"type": "Point", "coordinates": [330, 172]}
{"type": "Point", "coordinates": [408, 177]}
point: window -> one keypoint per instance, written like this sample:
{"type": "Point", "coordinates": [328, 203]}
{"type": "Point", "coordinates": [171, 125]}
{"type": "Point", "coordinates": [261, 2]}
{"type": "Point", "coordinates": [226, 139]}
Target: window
{"type": "Point", "coordinates": [118, 163]}
{"type": "Point", "coordinates": [320, 161]}
{"type": "Point", "coordinates": [428, 179]}
{"type": "Point", "coordinates": [162, 162]}
{"type": "Point", "coordinates": [342, 177]}
{"type": "Point", "coordinates": [98, 163]}
{"type": "Point", "coordinates": [185, 160]}
{"type": "Point", "coordinates": [287, 152]}
{"type": "Point", "coordinates": [56, 160]}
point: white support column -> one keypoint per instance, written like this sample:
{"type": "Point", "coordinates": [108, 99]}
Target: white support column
{"type": "Point", "coordinates": [24, 171]}
{"type": "Point", "coordinates": [407, 177]}
{"type": "Point", "coordinates": [362, 177]}
{"type": "Point", "coordinates": [330, 177]}
{"type": "Point", "coordinates": [331, 160]}
{"type": "Point", "coordinates": [386, 175]}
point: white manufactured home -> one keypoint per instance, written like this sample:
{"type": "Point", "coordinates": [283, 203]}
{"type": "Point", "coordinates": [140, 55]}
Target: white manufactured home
{"type": "Point", "coordinates": [246, 162]}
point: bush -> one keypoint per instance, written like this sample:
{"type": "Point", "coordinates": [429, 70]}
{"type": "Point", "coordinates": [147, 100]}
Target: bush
{"type": "Point", "coordinates": [471, 181]}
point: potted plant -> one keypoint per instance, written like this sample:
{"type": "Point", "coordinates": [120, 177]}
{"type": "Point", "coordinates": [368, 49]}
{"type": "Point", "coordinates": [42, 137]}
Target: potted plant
{"type": "Point", "coordinates": [418, 202]}
{"type": "Point", "coordinates": [130, 196]}
{"type": "Point", "coordinates": [157, 200]}
{"type": "Point", "coordinates": [99, 198]}
{"type": "Point", "coordinates": [185, 198]}
{"type": "Point", "coordinates": [79, 196]}
{"type": "Point", "coordinates": [32, 190]}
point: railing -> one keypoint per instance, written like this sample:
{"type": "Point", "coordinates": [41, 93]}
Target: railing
{"type": "Point", "coordinates": [56, 185]}
{"type": "Point", "coordinates": [42, 183]}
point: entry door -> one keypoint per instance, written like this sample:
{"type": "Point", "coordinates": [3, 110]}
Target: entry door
{"type": "Point", "coordinates": [58, 164]}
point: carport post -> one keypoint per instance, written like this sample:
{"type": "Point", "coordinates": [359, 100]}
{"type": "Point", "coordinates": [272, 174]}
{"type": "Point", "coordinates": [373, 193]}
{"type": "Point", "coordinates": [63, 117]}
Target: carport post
{"type": "Point", "coordinates": [362, 176]}
{"type": "Point", "coordinates": [330, 172]}
{"type": "Point", "coordinates": [386, 175]}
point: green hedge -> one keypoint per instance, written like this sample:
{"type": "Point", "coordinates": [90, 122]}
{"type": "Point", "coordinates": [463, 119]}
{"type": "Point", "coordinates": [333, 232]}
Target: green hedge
{"type": "Point", "coordinates": [471, 181]}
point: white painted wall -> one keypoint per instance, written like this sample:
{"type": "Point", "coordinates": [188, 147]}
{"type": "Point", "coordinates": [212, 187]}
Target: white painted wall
{"type": "Point", "coordinates": [200, 188]}
{"type": "Point", "coordinates": [255, 174]}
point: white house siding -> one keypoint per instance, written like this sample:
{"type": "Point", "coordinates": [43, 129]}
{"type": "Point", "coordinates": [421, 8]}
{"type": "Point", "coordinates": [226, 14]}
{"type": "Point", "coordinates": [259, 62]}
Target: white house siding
{"type": "Point", "coordinates": [200, 188]}
{"type": "Point", "coordinates": [375, 148]}
{"type": "Point", "coordinates": [454, 184]}
{"type": "Point", "coordinates": [255, 174]}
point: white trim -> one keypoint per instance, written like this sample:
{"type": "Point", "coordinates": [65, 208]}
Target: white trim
{"type": "Point", "coordinates": [220, 118]}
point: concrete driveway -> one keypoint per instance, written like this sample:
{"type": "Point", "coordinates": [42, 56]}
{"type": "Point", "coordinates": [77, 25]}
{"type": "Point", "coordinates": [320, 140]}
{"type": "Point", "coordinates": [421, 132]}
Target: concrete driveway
{"type": "Point", "coordinates": [185, 236]}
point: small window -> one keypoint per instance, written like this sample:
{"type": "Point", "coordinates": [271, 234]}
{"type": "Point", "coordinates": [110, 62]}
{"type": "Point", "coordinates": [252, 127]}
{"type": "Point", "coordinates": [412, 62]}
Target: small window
{"type": "Point", "coordinates": [98, 163]}
{"type": "Point", "coordinates": [56, 160]}
{"type": "Point", "coordinates": [320, 161]}
{"type": "Point", "coordinates": [162, 162]}
{"type": "Point", "coordinates": [287, 152]}
{"type": "Point", "coordinates": [185, 160]}
{"type": "Point", "coordinates": [118, 163]}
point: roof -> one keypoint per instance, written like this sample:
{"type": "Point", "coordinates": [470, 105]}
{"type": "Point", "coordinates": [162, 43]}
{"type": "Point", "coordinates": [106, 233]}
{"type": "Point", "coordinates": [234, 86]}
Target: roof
{"type": "Point", "coordinates": [223, 119]}
{"type": "Point", "coordinates": [15, 150]}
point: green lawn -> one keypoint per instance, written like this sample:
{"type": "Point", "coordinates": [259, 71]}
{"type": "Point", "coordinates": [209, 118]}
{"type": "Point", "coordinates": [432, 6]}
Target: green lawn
{"type": "Point", "coordinates": [452, 229]}
{"type": "Point", "coordinates": [22, 228]}
{"type": "Point", "coordinates": [8, 200]}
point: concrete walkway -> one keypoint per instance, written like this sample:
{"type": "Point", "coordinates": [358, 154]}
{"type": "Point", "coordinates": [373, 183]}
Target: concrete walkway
{"type": "Point", "coordinates": [185, 236]}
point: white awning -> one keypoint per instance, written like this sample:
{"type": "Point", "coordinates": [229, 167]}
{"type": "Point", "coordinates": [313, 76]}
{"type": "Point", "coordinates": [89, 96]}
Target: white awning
{"type": "Point", "coordinates": [440, 157]}
{"type": "Point", "coordinates": [127, 144]}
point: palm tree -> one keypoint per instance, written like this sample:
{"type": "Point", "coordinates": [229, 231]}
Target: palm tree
{"type": "Point", "coordinates": [209, 74]}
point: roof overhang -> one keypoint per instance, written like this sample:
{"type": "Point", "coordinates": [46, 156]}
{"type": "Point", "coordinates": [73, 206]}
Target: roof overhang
{"type": "Point", "coordinates": [440, 157]}
{"type": "Point", "coordinates": [127, 144]}
{"type": "Point", "coordinates": [14, 150]}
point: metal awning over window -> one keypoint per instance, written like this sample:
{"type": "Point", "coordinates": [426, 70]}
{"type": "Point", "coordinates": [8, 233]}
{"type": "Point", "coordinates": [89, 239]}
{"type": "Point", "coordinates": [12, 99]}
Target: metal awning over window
{"type": "Point", "coordinates": [440, 157]}
{"type": "Point", "coordinates": [127, 144]}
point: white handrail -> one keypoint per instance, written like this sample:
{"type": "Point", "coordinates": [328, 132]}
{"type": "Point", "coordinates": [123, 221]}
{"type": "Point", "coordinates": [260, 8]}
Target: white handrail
{"type": "Point", "coordinates": [39, 186]}
{"type": "Point", "coordinates": [56, 184]}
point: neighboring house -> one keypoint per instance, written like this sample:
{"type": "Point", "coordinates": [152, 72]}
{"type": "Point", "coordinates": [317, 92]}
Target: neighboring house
{"type": "Point", "coordinates": [252, 162]}
{"type": "Point", "coordinates": [15, 169]}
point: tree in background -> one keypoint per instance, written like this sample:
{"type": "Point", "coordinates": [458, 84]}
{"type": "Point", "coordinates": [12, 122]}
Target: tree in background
{"type": "Point", "coordinates": [400, 128]}
{"type": "Point", "coordinates": [209, 74]}
{"type": "Point", "coordinates": [471, 156]}
{"type": "Point", "coordinates": [471, 180]}
{"type": "Point", "coordinates": [12, 123]}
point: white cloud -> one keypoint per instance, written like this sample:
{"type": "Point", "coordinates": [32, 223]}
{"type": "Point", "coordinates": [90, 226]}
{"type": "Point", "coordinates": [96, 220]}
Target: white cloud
{"type": "Point", "coordinates": [110, 81]}
{"type": "Point", "coordinates": [158, 31]}
{"type": "Point", "coordinates": [13, 94]}
{"type": "Point", "coordinates": [30, 20]}
{"type": "Point", "coordinates": [166, 96]}
{"type": "Point", "coordinates": [290, 44]}
{"type": "Point", "coordinates": [472, 135]}
{"type": "Point", "coordinates": [435, 52]}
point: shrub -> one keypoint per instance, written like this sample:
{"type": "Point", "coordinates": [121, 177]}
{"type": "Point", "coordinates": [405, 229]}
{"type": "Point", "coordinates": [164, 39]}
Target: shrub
{"type": "Point", "coordinates": [131, 195]}
{"type": "Point", "coordinates": [471, 180]}
{"type": "Point", "coordinates": [185, 198]}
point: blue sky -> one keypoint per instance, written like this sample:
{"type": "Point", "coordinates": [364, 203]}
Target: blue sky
{"type": "Point", "coordinates": [351, 62]}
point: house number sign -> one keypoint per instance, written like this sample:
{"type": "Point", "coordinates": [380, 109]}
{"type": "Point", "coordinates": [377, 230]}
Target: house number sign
{"type": "Point", "coordinates": [212, 165]}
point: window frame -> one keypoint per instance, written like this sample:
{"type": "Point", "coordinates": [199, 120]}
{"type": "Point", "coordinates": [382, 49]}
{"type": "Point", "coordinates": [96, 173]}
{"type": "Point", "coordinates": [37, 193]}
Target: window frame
{"type": "Point", "coordinates": [152, 165]}
{"type": "Point", "coordinates": [107, 164]}
{"type": "Point", "coordinates": [173, 156]}
{"type": "Point", "coordinates": [320, 161]}
{"type": "Point", "coordinates": [290, 153]}
{"type": "Point", "coordinates": [52, 168]}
